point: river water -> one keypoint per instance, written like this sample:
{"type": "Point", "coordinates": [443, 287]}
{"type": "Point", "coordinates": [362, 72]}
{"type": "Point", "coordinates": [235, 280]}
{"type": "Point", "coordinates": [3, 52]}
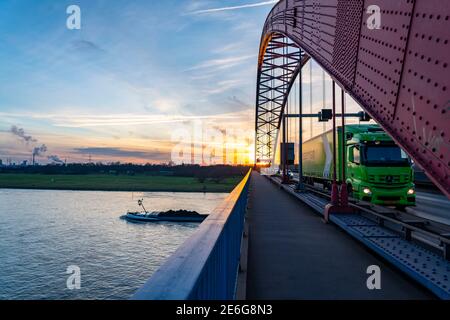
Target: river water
{"type": "Point", "coordinates": [42, 233]}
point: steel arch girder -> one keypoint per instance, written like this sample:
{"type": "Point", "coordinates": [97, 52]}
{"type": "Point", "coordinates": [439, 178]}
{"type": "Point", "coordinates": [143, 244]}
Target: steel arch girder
{"type": "Point", "coordinates": [275, 80]}
{"type": "Point", "coordinates": [399, 73]}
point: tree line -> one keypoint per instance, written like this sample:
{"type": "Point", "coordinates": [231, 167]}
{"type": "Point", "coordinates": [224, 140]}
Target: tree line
{"type": "Point", "coordinates": [201, 172]}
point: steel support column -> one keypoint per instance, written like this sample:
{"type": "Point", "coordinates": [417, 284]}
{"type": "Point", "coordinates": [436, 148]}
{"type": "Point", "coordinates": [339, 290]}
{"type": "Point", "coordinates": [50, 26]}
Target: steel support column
{"type": "Point", "coordinates": [334, 185]}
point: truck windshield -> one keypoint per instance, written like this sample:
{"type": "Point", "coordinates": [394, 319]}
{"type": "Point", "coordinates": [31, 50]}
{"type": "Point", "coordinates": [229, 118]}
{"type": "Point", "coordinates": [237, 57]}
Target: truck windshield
{"type": "Point", "coordinates": [385, 155]}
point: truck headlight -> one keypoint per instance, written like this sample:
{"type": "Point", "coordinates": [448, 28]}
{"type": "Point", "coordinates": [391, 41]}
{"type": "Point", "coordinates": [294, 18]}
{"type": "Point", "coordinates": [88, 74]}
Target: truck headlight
{"type": "Point", "coordinates": [411, 191]}
{"type": "Point", "coordinates": [367, 191]}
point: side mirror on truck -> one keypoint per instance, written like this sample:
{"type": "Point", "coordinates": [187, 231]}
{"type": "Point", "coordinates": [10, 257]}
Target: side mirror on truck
{"type": "Point", "coordinates": [350, 154]}
{"type": "Point", "coordinates": [353, 155]}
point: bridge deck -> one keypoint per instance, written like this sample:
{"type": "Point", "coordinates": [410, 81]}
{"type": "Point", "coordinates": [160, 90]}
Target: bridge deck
{"type": "Point", "coordinates": [293, 255]}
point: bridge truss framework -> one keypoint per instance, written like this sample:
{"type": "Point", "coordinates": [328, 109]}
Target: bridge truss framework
{"type": "Point", "coordinates": [399, 74]}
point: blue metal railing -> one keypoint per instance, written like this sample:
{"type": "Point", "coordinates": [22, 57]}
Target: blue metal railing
{"type": "Point", "coordinates": [206, 266]}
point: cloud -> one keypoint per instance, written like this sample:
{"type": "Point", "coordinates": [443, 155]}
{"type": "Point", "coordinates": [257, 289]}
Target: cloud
{"type": "Point", "coordinates": [223, 86]}
{"type": "Point", "coordinates": [235, 100]}
{"type": "Point", "coordinates": [244, 6]}
{"type": "Point", "coordinates": [124, 153]}
{"type": "Point", "coordinates": [86, 46]}
{"type": "Point", "coordinates": [84, 121]}
{"type": "Point", "coordinates": [229, 48]}
{"type": "Point", "coordinates": [219, 64]}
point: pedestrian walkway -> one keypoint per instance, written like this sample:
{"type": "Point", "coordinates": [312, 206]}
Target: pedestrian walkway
{"type": "Point", "coordinates": [294, 255]}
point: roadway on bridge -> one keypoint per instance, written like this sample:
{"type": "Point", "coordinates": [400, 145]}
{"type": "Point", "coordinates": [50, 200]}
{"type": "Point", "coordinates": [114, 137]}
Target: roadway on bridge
{"type": "Point", "coordinates": [430, 204]}
{"type": "Point", "coordinates": [294, 255]}
{"type": "Point", "coordinates": [433, 206]}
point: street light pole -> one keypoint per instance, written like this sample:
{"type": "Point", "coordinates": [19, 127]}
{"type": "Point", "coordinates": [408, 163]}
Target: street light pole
{"type": "Point", "coordinates": [344, 191]}
{"type": "Point", "coordinates": [334, 186]}
{"type": "Point", "coordinates": [300, 186]}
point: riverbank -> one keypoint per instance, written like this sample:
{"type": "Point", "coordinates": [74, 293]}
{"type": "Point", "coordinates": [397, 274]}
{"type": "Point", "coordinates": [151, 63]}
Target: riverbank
{"type": "Point", "coordinates": [105, 182]}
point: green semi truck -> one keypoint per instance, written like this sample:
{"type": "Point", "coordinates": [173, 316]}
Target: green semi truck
{"type": "Point", "coordinates": [377, 170]}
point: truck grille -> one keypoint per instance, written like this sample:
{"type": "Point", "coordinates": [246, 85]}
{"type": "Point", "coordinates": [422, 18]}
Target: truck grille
{"type": "Point", "coordinates": [389, 179]}
{"type": "Point", "coordinates": [388, 198]}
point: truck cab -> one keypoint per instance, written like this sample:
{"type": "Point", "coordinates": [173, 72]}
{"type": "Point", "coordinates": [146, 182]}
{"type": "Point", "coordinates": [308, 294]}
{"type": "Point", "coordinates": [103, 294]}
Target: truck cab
{"type": "Point", "coordinates": [378, 171]}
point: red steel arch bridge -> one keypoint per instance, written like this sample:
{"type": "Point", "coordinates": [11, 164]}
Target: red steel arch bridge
{"type": "Point", "coordinates": [266, 241]}
{"type": "Point", "coordinates": [398, 73]}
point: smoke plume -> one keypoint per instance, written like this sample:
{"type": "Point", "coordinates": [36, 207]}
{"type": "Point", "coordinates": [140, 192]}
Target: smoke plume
{"type": "Point", "coordinates": [55, 159]}
{"type": "Point", "coordinates": [19, 132]}
{"type": "Point", "coordinates": [38, 151]}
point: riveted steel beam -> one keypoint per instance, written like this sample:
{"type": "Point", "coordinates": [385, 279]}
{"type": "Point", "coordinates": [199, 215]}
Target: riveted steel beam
{"type": "Point", "coordinates": [279, 67]}
{"type": "Point", "coordinates": [399, 73]}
